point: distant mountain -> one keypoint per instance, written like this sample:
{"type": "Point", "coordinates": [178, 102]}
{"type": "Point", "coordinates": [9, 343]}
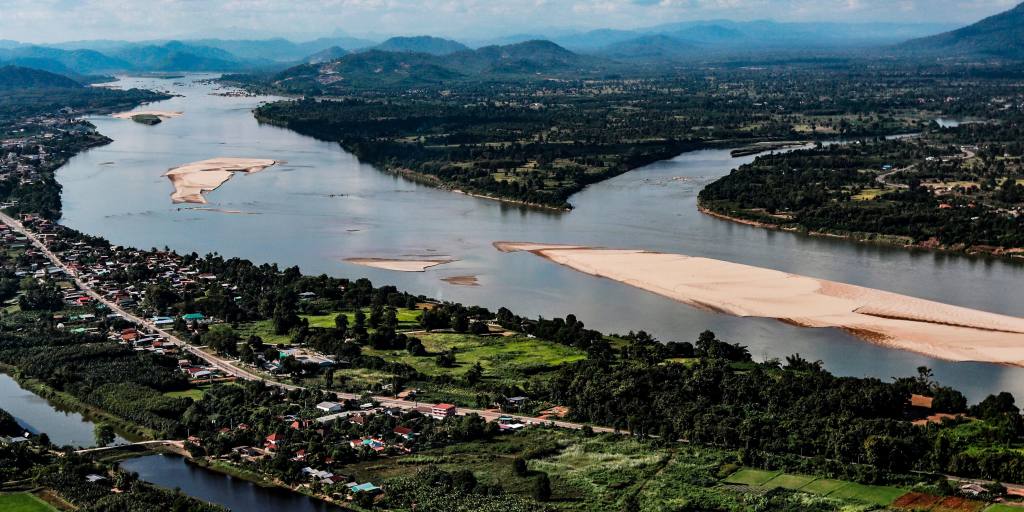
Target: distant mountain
{"type": "Point", "coordinates": [327, 55]}
{"type": "Point", "coordinates": [373, 68]}
{"type": "Point", "coordinates": [421, 44]}
{"type": "Point", "coordinates": [7, 44]}
{"type": "Point", "coordinates": [179, 56]}
{"type": "Point", "coordinates": [596, 39]}
{"type": "Point", "coordinates": [281, 50]}
{"type": "Point", "coordinates": [1001, 36]}
{"type": "Point", "coordinates": [83, 62]}
{"type": "Point", "coordinates": [650, 48]}
{"type": "Point", "coordinates": [17, 77]}
{"type": "Point", "coordinates": [529, 57]}
{"type": "Point", "coordinates": [377, 68]}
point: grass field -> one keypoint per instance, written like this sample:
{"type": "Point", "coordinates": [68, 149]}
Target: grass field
{"type": "Point", "coordinates": [868, 194]}
{"type": "Point", "coordinates": [195, 393]}
{"type": "Point", "coordinates": [999, 507]}
{"type": "Point", "coordinates": [23, 502]}
{"type": "Point", "coordinates": [879, 495]}
{"type": "Point", "coordinates": [755, 477]}
{"type": "Point", "coordinates": [407, 319]}
{"type": "Point", "coordinates": [823, 486]}
{"type": "Point", "coordinates": [791, 482]}
{"type": "Point", "coordinates": [501, 357]}
{"type": "Point", "coordinates": [874, 494]}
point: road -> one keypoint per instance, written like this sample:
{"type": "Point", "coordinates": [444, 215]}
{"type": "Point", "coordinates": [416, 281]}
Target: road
{"type": "Point", "coordinates": [230, 368]}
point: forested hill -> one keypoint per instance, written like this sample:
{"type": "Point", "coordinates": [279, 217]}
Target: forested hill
{"type": "Point", "coordinates": [1001, 35]}
{"type": "Point", "coordinates": [377, 68]}
{"type": "Point", "coordinates": [17, 77]}
{"type": "Point", "coordinates": [422, 44]}
{"type": "Point", "coordinates": [28, 92]}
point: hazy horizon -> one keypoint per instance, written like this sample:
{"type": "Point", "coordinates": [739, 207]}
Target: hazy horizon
{"type": "Point", "coordinates": [57, 21]}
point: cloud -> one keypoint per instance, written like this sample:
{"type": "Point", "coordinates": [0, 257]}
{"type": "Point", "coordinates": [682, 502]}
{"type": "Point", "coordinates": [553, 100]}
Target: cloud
{"type": "Point", "coordinates": [64, 20]}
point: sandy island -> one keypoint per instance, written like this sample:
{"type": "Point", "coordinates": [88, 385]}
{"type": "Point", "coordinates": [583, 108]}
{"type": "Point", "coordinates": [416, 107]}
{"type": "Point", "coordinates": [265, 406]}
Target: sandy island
{"type": "Point", "coordinates": [931, 328]}
{"type": "Point", "coordinates": [398, 265]}
{"type": "Point", "coordinates": [162, 114]}
{"type": "Point", "coordinates": [193, 180]}
{"type": "Point", "coordinates": [462, 280]}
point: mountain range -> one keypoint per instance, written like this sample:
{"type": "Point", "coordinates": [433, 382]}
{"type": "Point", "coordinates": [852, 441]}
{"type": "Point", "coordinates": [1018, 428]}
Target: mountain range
{"type": "Point", "coordinates": [1000, 36]}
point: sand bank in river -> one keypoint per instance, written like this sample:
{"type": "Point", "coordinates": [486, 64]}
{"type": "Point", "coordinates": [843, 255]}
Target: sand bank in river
{"type": "Point", "coordinates": [462, 280]}
{"type": "Point", "coordinates": [162, 114]}
{"type": "Point", "coordinates": [939, 330]}
{"type": "Point", "coordinates": [397, 265]}
{"type": "Point", "coordinates": [193, 180]}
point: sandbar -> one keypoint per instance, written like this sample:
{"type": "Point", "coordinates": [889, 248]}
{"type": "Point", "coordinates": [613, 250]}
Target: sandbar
{"type": "Point", "coordinates": [462, 280]}
{"type": "Point", "coordinates": [926, 327]}
{"type": "Point", "coordinates": [193, 180]}
{"type": "Point", "coordinates": [398, 265]}
{"type": "Point", "coordinates": [162, 114]}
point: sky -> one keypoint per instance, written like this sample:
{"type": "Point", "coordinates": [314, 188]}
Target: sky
{"type": "Point", "coordinates": [41, 21]}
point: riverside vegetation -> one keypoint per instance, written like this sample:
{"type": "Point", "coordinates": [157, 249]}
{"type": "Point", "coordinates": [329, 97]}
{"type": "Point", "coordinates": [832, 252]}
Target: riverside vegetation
{"type": "Point", "coordinates": [702, 413]}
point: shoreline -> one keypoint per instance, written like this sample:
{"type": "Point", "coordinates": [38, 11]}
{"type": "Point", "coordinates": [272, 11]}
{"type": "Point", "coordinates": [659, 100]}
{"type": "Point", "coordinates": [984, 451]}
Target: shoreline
{"type": "Point", "coordinates": [892, 320]}
{"type": "Point", "coordinates": [1015, 255]}
{"type": "Point", "coordinates": [62, 400]}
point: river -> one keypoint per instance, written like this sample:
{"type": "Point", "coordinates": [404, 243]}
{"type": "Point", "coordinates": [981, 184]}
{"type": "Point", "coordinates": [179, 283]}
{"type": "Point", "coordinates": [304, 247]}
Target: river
{"type": "Point", "coordinates": [173, 472]}
{"type": "Point", "coordinates": [323, 206]}
{"type": "Point", "coordinates": [36, 415]}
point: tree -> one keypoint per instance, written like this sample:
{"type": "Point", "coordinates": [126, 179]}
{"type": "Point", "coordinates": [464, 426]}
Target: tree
{"type": "Point", "coordinates": [104, 434]}
{"type": "Point", "coordinates": [475, 374]}
{"type": "Point", "coordinates": [519, 466]}
{"type": "Point", "coordinates": [542, 487]}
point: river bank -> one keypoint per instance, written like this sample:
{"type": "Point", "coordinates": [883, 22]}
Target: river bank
{"type": "Point", "coordinates": [64, 403]}
{"type": "Point", "coordinates": [1012, 254]}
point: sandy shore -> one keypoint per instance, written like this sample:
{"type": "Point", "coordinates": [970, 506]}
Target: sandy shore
{"type": "Point", "coordinates": [162, 114]}
{"type": "Point", "coordinates": [398, 265]}
{"type": "Point", "coordinates": [935, 329]}
{"type": "Point", "coordinates": [193, 180]}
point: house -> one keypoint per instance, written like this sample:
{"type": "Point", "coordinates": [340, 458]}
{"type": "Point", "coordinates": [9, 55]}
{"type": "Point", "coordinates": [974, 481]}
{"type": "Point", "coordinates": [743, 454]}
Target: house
{"type": "Point", "coordinates": [329, 407]}
{"type": "Point", "coordinates": [193, 317]}
{"type": "Point", "coordinates": [367, 487]}
{"type": "Point", "coordinates": [404, 432]}
{"type": "Point", "coordinates": [973, 489]}
{"type": "Point", "coordinates": [442, 411]}
{"type": "Point", "coordinates": [274, 441]}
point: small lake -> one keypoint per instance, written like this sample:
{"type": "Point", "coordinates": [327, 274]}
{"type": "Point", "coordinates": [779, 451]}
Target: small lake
{"type": "Point", "coordinates": [36, 415]}
{"type": "Point", "coordinates": [174, 472]}
{"type": "Point", "coordinates": [324, 206]}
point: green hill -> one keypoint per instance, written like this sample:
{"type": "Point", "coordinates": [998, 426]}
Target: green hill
{"type": "Point", "coordinates": [1000, 36]}
{"type": "Point", "coordinates": [421, 44]}
{"type": "Point", "coordinates": [17, 77]}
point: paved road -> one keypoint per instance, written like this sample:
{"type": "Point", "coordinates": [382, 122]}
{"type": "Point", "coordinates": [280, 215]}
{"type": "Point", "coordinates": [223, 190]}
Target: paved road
{"type": "Point", "coordinates": [229, 366]}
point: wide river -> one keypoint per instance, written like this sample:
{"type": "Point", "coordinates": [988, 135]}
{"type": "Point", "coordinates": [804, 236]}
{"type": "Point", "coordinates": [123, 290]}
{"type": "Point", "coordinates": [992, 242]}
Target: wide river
{"type": "Point", "coordinates": [323, 206]}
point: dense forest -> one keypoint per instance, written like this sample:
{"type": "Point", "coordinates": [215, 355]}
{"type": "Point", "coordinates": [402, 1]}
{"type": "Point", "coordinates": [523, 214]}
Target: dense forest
{"type": "Point", "coordinates": [540, 141]}
{"type": "Point", "coordinates": [956, 188]}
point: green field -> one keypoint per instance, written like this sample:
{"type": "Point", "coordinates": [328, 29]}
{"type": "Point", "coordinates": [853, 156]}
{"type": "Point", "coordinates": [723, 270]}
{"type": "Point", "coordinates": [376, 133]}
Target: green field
{"type": "Point", "coordinates": [823, 486]}
{"type": "Point", "coordinates": [877, 494]}
{"type": "Point", "coordinates": [838, 489]}
{"type": "Point", "coordinates": [23, 502]}
{"type": "Point", "coordinates": [407, 319]}
{"type": "Point", "coordinates": [755, 477]}
{"type": "Point", "coordinates": [511, 357]}
{"type": "Point", "coordinates": [791, 482]}
{"type": "Point", "coordinates": [195, 393]}
{"type": "Point", "coordinates": [998, 507]}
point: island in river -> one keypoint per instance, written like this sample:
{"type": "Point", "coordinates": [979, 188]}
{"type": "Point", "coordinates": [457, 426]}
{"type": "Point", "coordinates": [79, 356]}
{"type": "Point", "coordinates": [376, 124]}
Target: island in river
{"type": "Point", "coordinates": [192, 181]}
{"type": "Point", "coordinates": [939, 330]}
